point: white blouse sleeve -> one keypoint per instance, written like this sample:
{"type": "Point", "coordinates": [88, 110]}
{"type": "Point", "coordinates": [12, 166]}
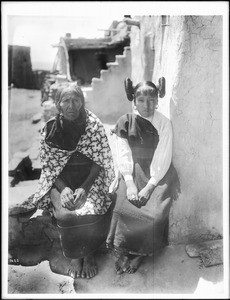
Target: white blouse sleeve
{"type": "Point", "coordinates": [124, 158]}
{"type": "Point", "coordinates": [163, 154]}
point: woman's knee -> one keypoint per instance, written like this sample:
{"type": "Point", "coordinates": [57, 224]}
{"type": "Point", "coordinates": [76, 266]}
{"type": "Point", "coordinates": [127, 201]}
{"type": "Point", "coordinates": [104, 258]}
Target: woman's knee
{"type": "Point", "coordinates": [64, 215]}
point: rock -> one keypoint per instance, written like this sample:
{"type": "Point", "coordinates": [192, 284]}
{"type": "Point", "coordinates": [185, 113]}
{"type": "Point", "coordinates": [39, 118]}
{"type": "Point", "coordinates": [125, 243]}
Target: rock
{"type": "Point", "coordinates": [36, 118]}
{"type": "Point", "coordinates": [193, 250]}
{"type": "Point", "coordinates": [210, 252]}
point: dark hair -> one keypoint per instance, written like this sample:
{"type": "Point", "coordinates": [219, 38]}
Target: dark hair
{"type": "Point", "coordinates": [156, 90]}
{"type": "Point", "coordinates": [73, 86]}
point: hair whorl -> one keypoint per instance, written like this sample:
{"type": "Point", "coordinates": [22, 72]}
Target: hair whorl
{"type": "Point", "coordinates": [129, 89]}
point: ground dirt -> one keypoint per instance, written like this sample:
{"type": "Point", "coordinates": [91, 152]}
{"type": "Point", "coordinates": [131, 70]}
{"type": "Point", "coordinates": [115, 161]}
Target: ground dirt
{"type": "Point", "coordinates": [171, 272]}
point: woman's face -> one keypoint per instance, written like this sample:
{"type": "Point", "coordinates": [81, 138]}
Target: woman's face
{"type": "Point", "coordinates": [146, 104]}
{"type": "Point", "coordinates": [70, 106]}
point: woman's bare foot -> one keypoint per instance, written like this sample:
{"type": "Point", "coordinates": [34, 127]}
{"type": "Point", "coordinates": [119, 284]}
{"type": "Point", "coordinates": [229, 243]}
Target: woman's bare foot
{"type": "Point", "coordinates": [89, 269]}
{"type": "Point", "coordinates": [121, 263]}
{"type": "Point", "coordinates": [134, 264]}
{"type": "Point", "coordinates": [75, 268]}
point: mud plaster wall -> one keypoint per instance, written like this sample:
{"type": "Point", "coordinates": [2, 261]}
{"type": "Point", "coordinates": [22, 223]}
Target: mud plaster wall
{"type": "Point", "coordinates": [188, 53]}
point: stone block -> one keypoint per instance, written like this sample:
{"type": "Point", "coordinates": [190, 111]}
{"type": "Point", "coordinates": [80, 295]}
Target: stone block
{"type": "Point", "coordinates": [210, 252]}
{"type": "Point", "coordinates": [36, 118]}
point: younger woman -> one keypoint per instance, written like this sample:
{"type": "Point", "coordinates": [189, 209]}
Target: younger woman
{"type": "Point", "coordinates": [147, 181]}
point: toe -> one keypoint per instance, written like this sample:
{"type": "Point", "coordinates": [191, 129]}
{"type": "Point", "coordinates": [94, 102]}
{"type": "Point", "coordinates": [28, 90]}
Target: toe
{"type": "Point", "coordinates": [117, 266]}
{"type": "Point", "coordinates": [132, 270]}
{"type": "Point", "coordinates": [78, 274]}
{"type": "Point", "coordinates": [127, 270]}
{"type": "Point", "coordinates": [83, 275]}
{"type": "Point", "coordinates": [71, 272]}
{"type": "Point", "coordinates": [92, 273]}
{"type": "Point", "coordinates": [119, 272]}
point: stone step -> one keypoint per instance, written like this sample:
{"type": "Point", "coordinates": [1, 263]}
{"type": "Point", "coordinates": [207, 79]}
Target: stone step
{"type": "Point", "coordinates": [104, 74]}
{"type": "Point", "coordinates": [96, 83]}
{"type": "Point", "coordinates": [87, 89]}
{"type": "Point", "coordinates": [112, 64]}
{"type": "Point", "coordinates": [120, 58]}
{"type": "Point", "coordinates": [127, 48]}
{"type": "Point", "coordinates": [96, 80]}
{"type": "Point", "coordinates": [127, 51]}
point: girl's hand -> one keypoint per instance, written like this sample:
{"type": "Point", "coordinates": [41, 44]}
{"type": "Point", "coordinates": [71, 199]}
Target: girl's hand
{"type": "Point", "coordinates": [67, 198]}
{"type": "Point", "coordinates": [132, 193]}
{"type": "Point", "coordinates": [145, 193]}
{"type": "Point", "coordinates": [80, 197]}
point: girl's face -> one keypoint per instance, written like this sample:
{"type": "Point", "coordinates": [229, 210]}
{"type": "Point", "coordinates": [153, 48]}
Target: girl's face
{"type": "Point", "coordinates": [70, 106]}
{"type": "Point", "coordinates": [146, 104]}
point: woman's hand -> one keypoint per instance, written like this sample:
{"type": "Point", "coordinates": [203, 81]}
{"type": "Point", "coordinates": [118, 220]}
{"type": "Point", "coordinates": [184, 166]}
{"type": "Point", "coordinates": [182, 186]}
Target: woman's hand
{"type": "Point", "coordinates": [80, 197]}
{"type": "Point", "coordinates": [132, 193]}
{"type": "Point", "coordinates": [67, 198]}
{"type": "Point", "coordinates": [145, 193]}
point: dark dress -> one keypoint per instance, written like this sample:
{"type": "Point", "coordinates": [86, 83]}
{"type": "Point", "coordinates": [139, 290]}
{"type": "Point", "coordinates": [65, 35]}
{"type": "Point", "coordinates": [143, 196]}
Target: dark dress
{"type": "Point", "coordinates": [141, 231]}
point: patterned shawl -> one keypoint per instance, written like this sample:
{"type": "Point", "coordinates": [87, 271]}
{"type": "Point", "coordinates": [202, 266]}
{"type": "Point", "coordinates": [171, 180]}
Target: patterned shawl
{"type": "Point", "coordinates": [94, 144]}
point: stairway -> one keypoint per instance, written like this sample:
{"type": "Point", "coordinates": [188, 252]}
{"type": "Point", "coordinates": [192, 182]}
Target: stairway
{"type": "Point", "coordinates": [106, 96]}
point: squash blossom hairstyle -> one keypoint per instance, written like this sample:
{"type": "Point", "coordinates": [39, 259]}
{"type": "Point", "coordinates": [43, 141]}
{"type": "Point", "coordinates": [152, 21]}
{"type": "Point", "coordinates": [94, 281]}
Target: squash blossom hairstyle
{"type": "Point", "coordinates": [144, 86]}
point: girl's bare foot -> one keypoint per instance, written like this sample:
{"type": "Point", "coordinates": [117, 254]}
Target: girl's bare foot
{"type": "Point", "coordinates": [134, 264]}
{"type": "Point", "coordinates": [89, 269]}
{"type": "Point", "coordinates": [121, 263]}
{"type": "Point", "coordinates": [75, 268]}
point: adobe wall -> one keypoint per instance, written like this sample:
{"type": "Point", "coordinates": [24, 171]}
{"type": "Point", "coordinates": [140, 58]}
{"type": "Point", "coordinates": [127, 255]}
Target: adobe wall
{"type": "Point", "coordinates": [188, 53]}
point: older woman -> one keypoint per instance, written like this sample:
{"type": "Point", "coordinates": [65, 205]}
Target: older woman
{"type": "Point", "coordinates": [148, 181]}
{"type": "Point", "coordinates": [77, 170]}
